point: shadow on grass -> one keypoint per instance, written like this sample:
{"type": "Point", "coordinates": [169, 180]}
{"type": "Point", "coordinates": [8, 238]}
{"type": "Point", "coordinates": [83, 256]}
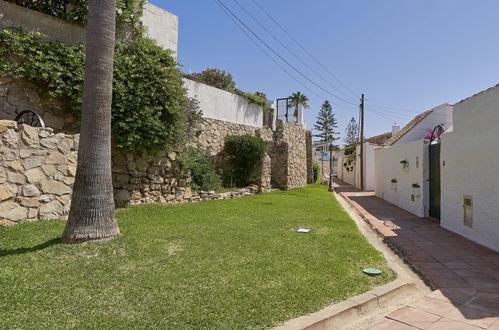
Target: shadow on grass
{"type": "Point", "coordinates": [35, 248]}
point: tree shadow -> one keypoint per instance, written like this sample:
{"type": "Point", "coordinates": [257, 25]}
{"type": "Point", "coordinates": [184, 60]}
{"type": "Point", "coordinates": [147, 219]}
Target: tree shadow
{"type": "Point", "coordinates": [35, 248]}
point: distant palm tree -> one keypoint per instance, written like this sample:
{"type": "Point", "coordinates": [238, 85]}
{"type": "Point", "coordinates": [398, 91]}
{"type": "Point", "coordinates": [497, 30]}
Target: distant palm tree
{"type": "Point", "coordinates": [298, 99]}
{"type": "Point", "coordinates": [91, 217]}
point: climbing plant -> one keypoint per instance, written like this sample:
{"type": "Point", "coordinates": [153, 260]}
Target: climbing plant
{"type": "Point", "coordinates": [149, 99]}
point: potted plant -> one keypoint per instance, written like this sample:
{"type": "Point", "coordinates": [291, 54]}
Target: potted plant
{"type": "Point", "coordinates": [416, 189]}
{"type": "Point", "coordinates": [405, 164]}
{"type": "Point", "coordinates": [394, 183]}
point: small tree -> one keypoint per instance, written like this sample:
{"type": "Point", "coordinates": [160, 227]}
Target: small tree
{"type": "Point", "coordinates": [325, 125]}
{"type": "Point", "coordinates": [352, 132]}
{"type": "Point", "coordinates": [245, 152]}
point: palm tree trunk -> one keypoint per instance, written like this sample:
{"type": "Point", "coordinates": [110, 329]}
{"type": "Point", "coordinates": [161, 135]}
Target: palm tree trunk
{"type": "Point", "coordinates": [91, 217]}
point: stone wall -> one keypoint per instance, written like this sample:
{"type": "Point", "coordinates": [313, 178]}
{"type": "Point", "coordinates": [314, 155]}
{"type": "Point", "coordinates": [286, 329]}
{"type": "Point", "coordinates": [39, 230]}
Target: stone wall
{"type": "Point", "coordinates": [37, 169]}
{"type": "Point", "coordinates": [289, 155]}
{"type": "Point", "coordinates": [15, 97]}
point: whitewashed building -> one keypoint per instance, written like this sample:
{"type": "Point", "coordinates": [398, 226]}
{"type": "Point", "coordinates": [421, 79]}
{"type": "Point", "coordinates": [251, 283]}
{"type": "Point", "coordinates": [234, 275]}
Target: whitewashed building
{"type": "Point", "coordinates": [402, 167]}
{"type": "Point", "coordinates": [470, 170]}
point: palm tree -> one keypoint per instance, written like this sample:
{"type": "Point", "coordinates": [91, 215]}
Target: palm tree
{"type": "Point", "coordinates": [298, 99]}
{"type": "Point", "coordinates": [91, 217]}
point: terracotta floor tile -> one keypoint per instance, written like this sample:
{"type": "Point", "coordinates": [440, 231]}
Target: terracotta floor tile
{"type": "Point", "coordinates": [430, 305]}
{"type": "Point", "coordinates": [472, 316]}
{"type": "Point", "coordinates": [414, 317]}
{"type": "Point", "coordinates": [482, 284]}
{"type": "Point", "coordinates": [387, 324]}
{"type": "Point", "coordinates": [494, 326]}
{"type": "Point", "coordinates": [490, 306]}
{"type": "Point", "coordinates": [447, 324]}
{"type": "Point", "coordinates": [454, 296]}
{"type": "Point", "coordinates": [457, 265]}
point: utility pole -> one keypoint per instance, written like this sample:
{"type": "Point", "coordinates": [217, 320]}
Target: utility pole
{"type": "Point", "coordinates": [362, 143]}
{"type": "Point", "coordinates": [331, 187]}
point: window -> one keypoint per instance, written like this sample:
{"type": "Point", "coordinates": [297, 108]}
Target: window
{"type": "Point", "coordinates": [468, 211]}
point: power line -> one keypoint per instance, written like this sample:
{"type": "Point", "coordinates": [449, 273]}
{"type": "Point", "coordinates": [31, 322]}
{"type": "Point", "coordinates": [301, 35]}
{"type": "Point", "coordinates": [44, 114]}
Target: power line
{"type": "Point", "coordinates": [288, 49]}
{"type": "Point", "coordinates": [278, 55]}
{"type": "Point", "coordinates": [304, 49]}
{"type": "Point", "coordinates": [265, 52]}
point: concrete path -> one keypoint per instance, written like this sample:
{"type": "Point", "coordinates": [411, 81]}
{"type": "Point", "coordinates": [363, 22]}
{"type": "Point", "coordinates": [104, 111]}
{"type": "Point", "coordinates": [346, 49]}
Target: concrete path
{"type": "Point", "coordinates": [465, 275]}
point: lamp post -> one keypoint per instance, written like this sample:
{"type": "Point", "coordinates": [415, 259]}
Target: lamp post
{"type": "Point", "coordinates": [331, 188]}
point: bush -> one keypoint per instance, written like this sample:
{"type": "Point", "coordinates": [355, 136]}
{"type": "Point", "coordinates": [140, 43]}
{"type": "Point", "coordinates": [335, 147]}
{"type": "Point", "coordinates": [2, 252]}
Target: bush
{"type": "Point", "coordinates": [149, 100]}
{"type": "Point", "coordinates": [245, 153]}
{"type": "Point", "coordinates": [216, 78]}
{"type": "Point", "coordinates": [317, 172]}
{"type": "Point", "coordinates": [195, 164]}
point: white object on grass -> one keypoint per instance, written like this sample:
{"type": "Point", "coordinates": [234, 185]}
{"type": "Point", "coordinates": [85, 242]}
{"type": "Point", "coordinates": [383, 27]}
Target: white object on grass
{"type": "Point", "coordinates": [301, 230]}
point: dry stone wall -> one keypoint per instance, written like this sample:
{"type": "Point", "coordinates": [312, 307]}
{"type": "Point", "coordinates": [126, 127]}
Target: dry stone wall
{"type": "Point", "coordinates": [37, 169]}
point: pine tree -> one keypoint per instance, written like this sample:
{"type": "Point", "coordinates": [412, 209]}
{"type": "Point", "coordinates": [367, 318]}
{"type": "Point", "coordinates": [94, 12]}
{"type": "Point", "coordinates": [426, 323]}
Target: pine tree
{"type": "Point", "coordinates": [326, 123]}
{"type": "Point", "coordinates": [352, 132]}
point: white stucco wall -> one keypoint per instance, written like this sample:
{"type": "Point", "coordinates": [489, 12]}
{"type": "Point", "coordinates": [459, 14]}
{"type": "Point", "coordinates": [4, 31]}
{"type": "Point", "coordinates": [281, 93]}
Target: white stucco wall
{"type": "Point", "coordinates": [470, 166]}
{"type": "Point", "coordinates": [218, 104]}
{"type": "Point", "coordinates": [353, 177]}
{"type": "Point", "coordinates": [388, 166]}
{"type": "Point", "coordinates": [161, 26]}
{"type": "Point", "coordinates": [441, 115]}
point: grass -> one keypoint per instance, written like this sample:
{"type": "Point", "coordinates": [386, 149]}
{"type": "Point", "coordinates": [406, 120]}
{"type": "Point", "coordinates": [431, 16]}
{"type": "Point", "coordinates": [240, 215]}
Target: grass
{"type": "Point", "coordinates": [220, 264]}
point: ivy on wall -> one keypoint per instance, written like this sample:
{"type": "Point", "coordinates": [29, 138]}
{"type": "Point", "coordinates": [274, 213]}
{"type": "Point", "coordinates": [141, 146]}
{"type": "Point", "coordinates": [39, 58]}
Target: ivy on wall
{"type": "Point", "coordinates": [128, 12]}
{"type": "Point", "coordinates": [149, 100]}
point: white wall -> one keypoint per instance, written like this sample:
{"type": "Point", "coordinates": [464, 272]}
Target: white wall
{"type": "Point", "coordinates": [441, 115]}
{"type": "Point", "coordinates": [353, 177]}
{"type": "Point", "coordinates": [470, 166]}
{"type": "Point", "coordinates": [388, 166]}
{"type": "Point", "coordinates": [161, 25]}
{"type": "Point", "coordinates": [218, 104]}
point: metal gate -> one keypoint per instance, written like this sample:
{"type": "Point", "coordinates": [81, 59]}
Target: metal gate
{"type": "Point", "coordinates": [286, 111]}
{"type": "Point", "coordinates": [434, 160]}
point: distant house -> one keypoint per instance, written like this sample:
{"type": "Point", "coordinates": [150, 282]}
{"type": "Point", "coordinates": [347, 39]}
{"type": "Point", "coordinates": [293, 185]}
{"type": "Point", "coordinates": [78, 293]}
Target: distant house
{"type": "Point", "coordinates": [402, 166]}
{"type": "Point", "coordinates": [348, 164]}
{"type": "Point", "coordinates": [470, 170]}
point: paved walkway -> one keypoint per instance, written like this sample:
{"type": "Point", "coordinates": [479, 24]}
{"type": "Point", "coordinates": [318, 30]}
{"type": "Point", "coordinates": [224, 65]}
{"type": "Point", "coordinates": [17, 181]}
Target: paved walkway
{"type": "Point", "coordinates": [464, 274]}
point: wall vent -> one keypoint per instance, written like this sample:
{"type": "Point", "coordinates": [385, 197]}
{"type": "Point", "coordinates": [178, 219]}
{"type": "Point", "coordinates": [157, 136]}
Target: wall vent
{"type": "Point", "coordinates": [468, 211]}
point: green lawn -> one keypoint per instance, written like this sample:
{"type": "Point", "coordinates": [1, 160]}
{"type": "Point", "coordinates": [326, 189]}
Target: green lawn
{"type": "Point", "coordinates": [221, 264]}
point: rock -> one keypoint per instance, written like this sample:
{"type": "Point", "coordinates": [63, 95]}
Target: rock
{"type": "Point", "coordinates": [50, 210]}
{"type": "Point", "coordinates": [45, 132]}
{"type": "Point", "coordinates": [49, 169]}
{"type": "Point", "coordinates": [28, 201]}
{"type": "Point", "coordinates": [55, 158]}
{"type": "Point", "coordinates": [13, 211]}
{"type": "Point", "coordinates": [10, 138]}
{"type": "Point", "coordinates": [7, 191]}
{"type": "Point", "coordinates": [122, 196]}
{"type": "Point", "coordinates": [9, 124]}
{"type": "Point", "coordinates": [32, 213]}
{"type": "Point", "coordinates": [29, 135]}
{"type": "Point", "coordinates": [49, 142]}
{"type": "Point", "coordinates": [46, 198]}
{"type": "Point", "coordinates": [33, 162]}
{"type": "Point", "coordinates": [58, 176]}
{"type": "Point", "coordinates": [9, 155]}
{"type": "Point", "coordinates": [15, 165]}
{"type": "Point", "coordinates": [188, 192]}
{"type": "Point", "coordinates": [3, 175]}
{"type": "Point", "coordinates": [76, 144]}
{"type": "Point", "coordinates": [72, 170]}
{"type": "Point", "coordinates": [34, 175]}
{"type": "Point", "coordinates": [69, 180]}
{"type": "Point", "coordinates": [24, 153]}
{"type": "Point", "coordinates": [65, 146]}
{"type": "Point", "coordinates": [54, 187]}
{"type": "Point", "coordinates": [16, 178]}
{"type": "Point", "coordinates": [142, 165]}
{"type": "Point", "coordinates": [31, 190]}
{"type": "Point", "coordinates": [122, 178]}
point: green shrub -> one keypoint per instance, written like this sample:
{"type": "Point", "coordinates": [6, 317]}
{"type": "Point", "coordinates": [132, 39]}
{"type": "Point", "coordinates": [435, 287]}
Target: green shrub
{"type": "Point", "coordinates": [245, 153]}
{"type": "Point", "coordinates": [149, 100]}
{"type": "Point", "coordinates": [214, 77]}
{"type": "Point", "coordinates": [317, 172]}
{"type": "Point", "coordinates": [194, 163]}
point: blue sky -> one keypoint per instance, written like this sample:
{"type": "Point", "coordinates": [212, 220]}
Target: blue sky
{"type": "Point", "coordinates": [410, 55]}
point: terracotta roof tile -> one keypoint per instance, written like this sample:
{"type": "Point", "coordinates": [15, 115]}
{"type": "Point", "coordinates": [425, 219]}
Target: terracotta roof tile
{"type": "Point", "coordinates": [378, 139]}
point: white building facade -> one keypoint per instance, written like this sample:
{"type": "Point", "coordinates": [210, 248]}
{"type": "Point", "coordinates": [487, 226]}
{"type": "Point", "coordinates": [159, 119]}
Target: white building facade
{"type": "Point", "coordinates": [470, 170]}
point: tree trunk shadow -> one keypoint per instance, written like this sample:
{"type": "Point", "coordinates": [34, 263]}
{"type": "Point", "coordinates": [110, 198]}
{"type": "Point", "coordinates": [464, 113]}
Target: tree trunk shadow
{"type": "Point", "coordinates": [35, 248]}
